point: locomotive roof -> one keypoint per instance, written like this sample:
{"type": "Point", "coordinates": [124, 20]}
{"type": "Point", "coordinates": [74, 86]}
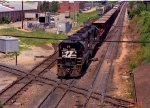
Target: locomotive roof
{"type": "Point", "coordinates": [80, 34]}
{"type": "Point", "coordinates": [74, 38]}
{"type": "Point", "coordinates": [85, 29]}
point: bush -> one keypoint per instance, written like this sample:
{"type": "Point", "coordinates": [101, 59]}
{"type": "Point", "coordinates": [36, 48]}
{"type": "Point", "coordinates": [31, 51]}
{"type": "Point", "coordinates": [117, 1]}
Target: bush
{"type": "Point", "coordinates": [5, 20]}
{"type": "Point", "coordinates": [132, 64]}
{"type": "Point", "coordinates": [143, 14]}
{"type": "Point", "coordinates": [136, 10]}
{"type": "Point", "coordinates": [145, 37]}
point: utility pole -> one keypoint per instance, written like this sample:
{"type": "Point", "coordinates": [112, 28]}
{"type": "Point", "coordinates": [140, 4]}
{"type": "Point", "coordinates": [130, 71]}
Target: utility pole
{"type": "Point", "coordinates": [75, 13]}
{"type": "Point", "coordinates": [22, 14]}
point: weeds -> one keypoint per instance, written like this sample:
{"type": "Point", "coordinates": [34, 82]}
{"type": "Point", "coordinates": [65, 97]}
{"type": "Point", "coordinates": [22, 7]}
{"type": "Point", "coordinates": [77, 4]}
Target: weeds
{"type": "Point", "coordinates": [36, 33]}
{"type": "Point", "coordinates": [130, 93]}
{"type": "Point", "coordinates": [83, 17]}
{"type": "Point", "coordinates": [143, 55]}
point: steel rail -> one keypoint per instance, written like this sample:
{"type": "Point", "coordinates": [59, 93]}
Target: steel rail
{"type": "Point", "coordinates": [20, 79]}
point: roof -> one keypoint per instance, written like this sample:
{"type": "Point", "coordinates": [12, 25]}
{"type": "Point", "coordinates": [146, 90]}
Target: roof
{"type": "Point", "coordinates": [5, 9]}
{"type": "Point", "coordinates": [8, 38]}
{"type": "Point", "coordinates": [17, 6]}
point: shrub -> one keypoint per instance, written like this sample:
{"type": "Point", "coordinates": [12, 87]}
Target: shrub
{"type": "Point", "coordinates": [5, 20]}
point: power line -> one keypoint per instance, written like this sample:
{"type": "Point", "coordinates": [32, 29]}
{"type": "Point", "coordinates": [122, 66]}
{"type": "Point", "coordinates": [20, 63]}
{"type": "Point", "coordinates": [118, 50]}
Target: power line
{"type": "Point", "coordinates": [61, 39]}
{"type": "Point", "coordinates": [22, 17]}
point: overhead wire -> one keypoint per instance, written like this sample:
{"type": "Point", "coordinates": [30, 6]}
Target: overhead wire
{"type": "Point", "coordinates": [61, 39]}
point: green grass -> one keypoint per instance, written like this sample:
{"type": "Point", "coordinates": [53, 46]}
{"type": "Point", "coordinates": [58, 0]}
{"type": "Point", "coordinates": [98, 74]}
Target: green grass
{"type": "Point", "coordinates": [143, 55]}
{"type": "Point", "coordinates": [144, 23]}
{"type": "Point", "coordinates": [83, 17]}
{"type": "Point", "coordinates": [25, 43]}
{"type": "Point", "coordinates": [36, 33]}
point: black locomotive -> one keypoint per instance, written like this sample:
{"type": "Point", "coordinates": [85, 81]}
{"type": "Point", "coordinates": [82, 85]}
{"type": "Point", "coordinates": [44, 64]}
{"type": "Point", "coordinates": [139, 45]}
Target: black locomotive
{"type": "Point", "coordinates": [75, 52]}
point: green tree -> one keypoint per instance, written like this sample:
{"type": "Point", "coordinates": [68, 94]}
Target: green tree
{"type": "Point", "coordinates": [45, 6]}
{"type": "Point", "coordinates": [5, 20]}
{"type": "Point", "coordinates": [54, 5]}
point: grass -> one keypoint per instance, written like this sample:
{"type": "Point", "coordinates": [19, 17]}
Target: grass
{"type": "Point", "coordinates": [143, 55]}
{"type": "Point", "coordinates": [36, 33]}
{"type": "Point", "coordinates": [25, 43]}
{"type": "Point", "coordinates": [83, 17]}
{"type": "Point", "coordinates": [130, 93]}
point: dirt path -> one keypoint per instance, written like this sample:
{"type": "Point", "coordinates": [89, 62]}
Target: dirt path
{"type": "Point", "coordinates": [28, 58]}
{"type": "Point", "coordinates": [121, 82]}
{"type": "Point", "coordinates": [120, 66]}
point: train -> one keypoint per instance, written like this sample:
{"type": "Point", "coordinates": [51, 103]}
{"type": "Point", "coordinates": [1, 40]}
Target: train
{"type": "Point", "coordinates": [103, 9]}
{"type": "Point", "coordinates": [76, 51]}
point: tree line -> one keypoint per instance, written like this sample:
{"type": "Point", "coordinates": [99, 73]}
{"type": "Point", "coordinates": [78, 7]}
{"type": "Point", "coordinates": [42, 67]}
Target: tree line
{"type": "Point", "coordinates": [47, 6]}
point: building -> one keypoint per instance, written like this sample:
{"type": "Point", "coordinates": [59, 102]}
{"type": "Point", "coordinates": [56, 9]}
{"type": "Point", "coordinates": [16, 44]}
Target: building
{"type": "Point", "coordinates": [13, 10]}
{"type": "Point", "coordinates": [68, 6]}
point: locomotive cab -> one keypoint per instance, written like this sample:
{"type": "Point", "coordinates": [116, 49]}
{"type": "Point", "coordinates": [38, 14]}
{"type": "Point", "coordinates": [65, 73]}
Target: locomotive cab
{"type": "Point", "coordinates": [70, 58]}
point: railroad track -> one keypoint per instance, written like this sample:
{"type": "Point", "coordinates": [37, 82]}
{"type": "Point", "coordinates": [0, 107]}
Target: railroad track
{"type": "Point", "coordinates": [58, 83]}
{"type": "Point", "coordinates": [72, 89]}
{"type": "Point", "coordinates": [111, 56]}
{"type": "Point", "coordinates": [65, 86]}
{"type": "Point", "coordinates": [25, 78]}
{"type": "Point", "coordinates": [112, 49]}
{"type": "Point", "coordinates": [64, 91]}
{"type": "Point", "coordinates": [89, 93]}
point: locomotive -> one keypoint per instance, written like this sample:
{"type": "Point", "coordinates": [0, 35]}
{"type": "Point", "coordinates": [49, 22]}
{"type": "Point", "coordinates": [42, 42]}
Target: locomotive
{"type": "Point", "coordinates": [75, 52]}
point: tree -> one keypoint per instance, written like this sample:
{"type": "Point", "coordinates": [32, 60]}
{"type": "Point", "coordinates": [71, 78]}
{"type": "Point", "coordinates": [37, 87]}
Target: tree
{"type": "Point", "coordinates": [54, 5]}
{"type": "Point", "coordinates": [45, 6]}
{"type": "Point", "coordinates": [146, 3]}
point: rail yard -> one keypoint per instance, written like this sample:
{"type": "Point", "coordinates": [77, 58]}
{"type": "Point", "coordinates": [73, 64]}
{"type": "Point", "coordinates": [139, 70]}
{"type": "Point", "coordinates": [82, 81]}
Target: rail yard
{"type": "Point", "coordinates": [80, 72]}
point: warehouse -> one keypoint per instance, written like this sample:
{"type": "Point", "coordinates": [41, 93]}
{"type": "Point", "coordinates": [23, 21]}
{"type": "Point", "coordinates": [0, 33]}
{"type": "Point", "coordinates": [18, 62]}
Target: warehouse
{"type": "Point", "coordinates": [13, 10]}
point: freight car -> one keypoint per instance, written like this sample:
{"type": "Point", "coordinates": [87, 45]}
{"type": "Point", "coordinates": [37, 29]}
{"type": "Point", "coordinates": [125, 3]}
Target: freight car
{"type": "Point", "coordinates": [75, 52]}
